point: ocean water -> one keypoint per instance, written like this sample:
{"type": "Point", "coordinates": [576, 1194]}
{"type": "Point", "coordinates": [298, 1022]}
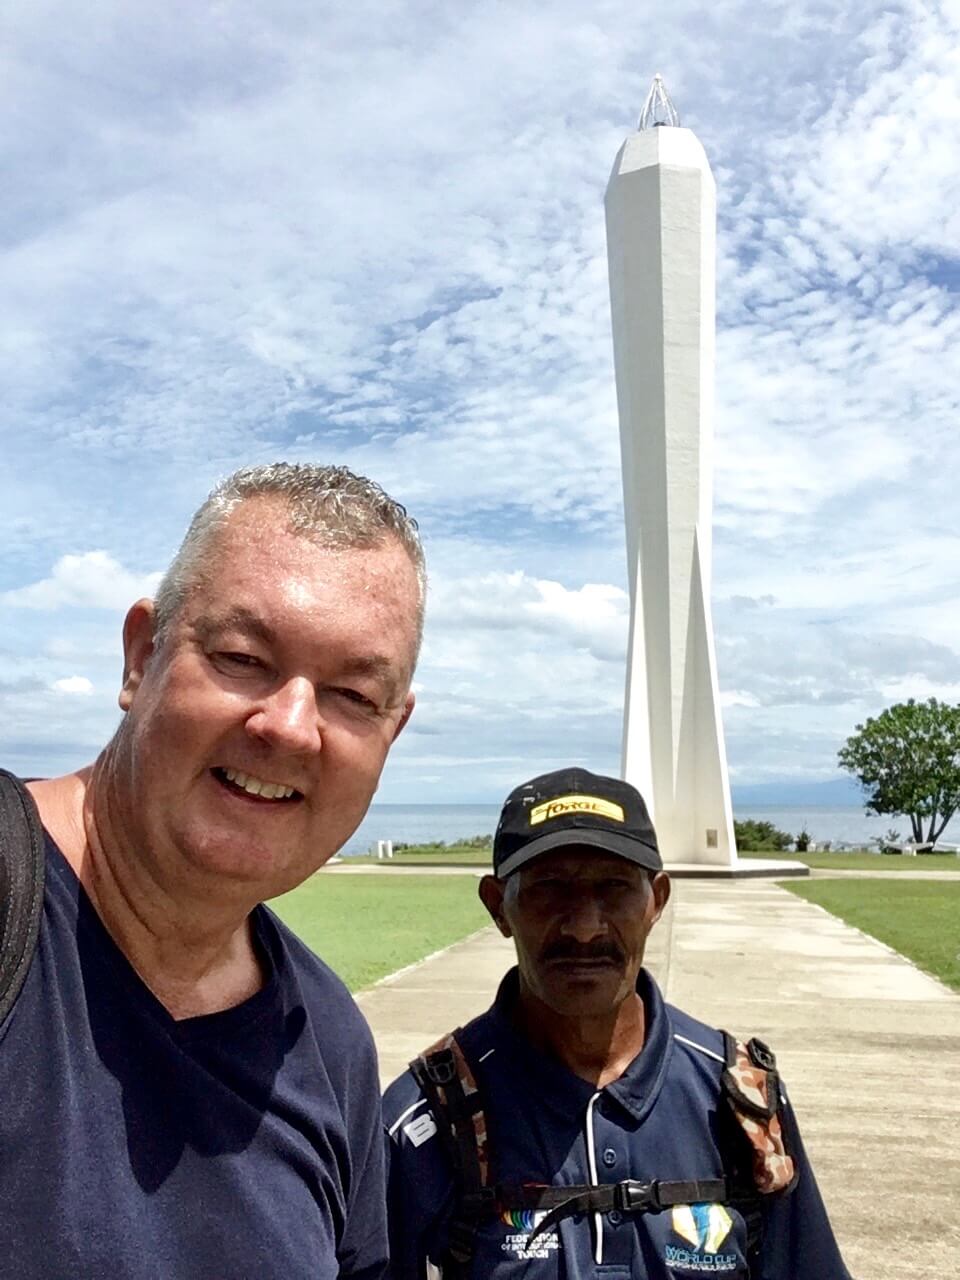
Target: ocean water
{"type": "Point", "coordinates": [422, 823]}
{"type": "Point", "coordinates": [415, 824]}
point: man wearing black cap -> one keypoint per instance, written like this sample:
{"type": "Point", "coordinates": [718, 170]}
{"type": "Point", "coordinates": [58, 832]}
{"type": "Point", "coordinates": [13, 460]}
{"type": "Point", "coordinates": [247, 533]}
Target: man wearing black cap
{"type": "Point", "coordinates": [583, 1127]}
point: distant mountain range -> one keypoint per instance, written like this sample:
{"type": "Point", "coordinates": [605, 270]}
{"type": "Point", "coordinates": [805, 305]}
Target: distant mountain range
{"type": "Point", "coordinates": [837, 791]}
{"type": "Point", "coordinates": [784, 794]}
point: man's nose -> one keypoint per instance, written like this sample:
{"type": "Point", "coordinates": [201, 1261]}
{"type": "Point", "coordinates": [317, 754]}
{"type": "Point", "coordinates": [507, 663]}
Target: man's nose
{"type": "Point", "coordinates": [288, 718]}
{"type": "Point", "coordinates": [584, 918]}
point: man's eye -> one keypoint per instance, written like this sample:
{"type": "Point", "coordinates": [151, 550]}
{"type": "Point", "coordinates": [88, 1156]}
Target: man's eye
{"type": "Point", "coordinates": [545, 887]}
{"type": "Point", "coordinates": [620, 888]}
{"type": "Point", "coordinates": [358, 698]}
{"type": "Point", "coordinates": [239, 660]}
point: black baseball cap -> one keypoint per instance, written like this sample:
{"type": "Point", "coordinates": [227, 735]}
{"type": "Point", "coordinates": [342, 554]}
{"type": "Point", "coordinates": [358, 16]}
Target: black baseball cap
{"type": "Point", "coordinates": [574, 807]}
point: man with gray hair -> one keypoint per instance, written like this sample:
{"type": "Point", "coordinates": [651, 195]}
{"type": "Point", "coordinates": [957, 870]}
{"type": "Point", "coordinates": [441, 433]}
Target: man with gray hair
{"type": "Point", "coordinates": [189, 1091]}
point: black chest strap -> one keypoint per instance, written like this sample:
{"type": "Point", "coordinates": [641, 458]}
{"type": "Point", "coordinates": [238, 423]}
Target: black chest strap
{"type": "Point", "coordinates": [629, 1196]}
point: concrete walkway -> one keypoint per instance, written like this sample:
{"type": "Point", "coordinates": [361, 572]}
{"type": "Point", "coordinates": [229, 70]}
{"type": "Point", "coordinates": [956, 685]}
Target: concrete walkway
{"type": "Point", "coordinates": [869, 1047]}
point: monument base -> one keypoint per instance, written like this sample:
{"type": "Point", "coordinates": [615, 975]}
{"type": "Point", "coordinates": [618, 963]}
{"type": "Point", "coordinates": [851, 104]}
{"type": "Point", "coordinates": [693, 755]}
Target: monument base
{"type": "Point", "coordinates": [742, 869]}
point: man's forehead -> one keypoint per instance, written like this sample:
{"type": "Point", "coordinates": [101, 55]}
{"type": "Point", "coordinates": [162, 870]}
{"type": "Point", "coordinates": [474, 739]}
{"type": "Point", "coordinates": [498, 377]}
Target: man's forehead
{"type": "Point", "coordinates": [580, 862]}
{"type": "Point", "coordinates": [266, 519]}
{"type": "Point", "coordinates": [260, 531]}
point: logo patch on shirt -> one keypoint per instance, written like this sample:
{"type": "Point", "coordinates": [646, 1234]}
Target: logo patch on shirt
{"type": "Point", "coordinates": [420, 1129]}
{"type": "Point", "coordinates": [524, 1221]}
{"type": "Point", "coordinates": [704, 1227]}
{"type": "Point", "coordinates": [562, 805]}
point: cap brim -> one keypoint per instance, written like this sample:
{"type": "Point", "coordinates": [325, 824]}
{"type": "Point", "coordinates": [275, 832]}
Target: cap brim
{"type": "Point", "coordinates": [644, 855]}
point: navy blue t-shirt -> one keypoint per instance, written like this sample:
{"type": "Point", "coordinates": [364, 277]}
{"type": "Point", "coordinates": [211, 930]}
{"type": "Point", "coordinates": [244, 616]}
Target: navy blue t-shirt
{"type": "Point", "coordinates": [235, 1145]}
{"type": "Point", "coordinates": [663, 1119]}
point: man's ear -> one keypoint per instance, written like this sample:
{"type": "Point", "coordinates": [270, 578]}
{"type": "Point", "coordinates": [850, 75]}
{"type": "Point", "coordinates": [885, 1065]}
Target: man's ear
{"type": "Point", "coordinates": [138, 646]}
{"type": "Point", "coordinates": [660, 884]}
{"type": "Point", "coordinates": [490, 890]}
{"type": "Point", "coordinates": [408, 704]}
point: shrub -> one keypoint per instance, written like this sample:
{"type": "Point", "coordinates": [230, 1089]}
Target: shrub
{"type": "Point", "coordinates": [441, 846]}
{"type": "Point", "coordinates": [753, 836]}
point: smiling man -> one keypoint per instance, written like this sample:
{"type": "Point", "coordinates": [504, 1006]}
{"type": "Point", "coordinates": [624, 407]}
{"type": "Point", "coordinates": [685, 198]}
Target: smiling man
{"type": "Point", "coordinates": [582, 1126]}
{"type": "Point", "coordinates": [196, 1093]}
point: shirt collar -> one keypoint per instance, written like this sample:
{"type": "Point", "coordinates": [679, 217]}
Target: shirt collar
{"type": "Point", "coordinates": [557, 1087]}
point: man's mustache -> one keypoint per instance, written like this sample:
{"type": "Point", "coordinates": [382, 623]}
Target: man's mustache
{"type": "Point", "coordinates": [594, 951]}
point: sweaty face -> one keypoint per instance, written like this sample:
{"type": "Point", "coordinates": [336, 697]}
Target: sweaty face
{"type": "Point", "coordinates": [255, 735]}
{"type": "Point", "coordinates": [579, 922]}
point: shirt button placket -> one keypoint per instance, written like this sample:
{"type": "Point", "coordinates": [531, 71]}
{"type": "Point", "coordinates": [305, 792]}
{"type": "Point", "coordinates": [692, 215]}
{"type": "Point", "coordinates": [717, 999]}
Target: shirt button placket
{"type": "Point", "coordinates": [609, 1158]}
{"type": "Point", "coordinates": [619, 1245]}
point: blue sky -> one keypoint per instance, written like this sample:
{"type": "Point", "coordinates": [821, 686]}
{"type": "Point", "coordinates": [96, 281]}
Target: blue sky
{"type": "Point", "coordinates": [373, 234]}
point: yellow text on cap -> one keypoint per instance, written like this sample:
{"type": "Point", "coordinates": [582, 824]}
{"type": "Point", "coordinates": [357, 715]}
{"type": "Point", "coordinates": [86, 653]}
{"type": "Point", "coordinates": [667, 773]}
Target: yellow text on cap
{"type": "Point", "coordinates": [575, 804]}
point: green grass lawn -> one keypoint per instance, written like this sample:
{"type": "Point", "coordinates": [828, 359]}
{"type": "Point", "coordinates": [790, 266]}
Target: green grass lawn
{"type": "Point", "coordinates": [453, 855]}
{"type": "Point", "coordinates": [867, 861]}
{"type": "Point", "coordinates": [368, 926]}
{"type": "Point", "coordinates": [918, 918]}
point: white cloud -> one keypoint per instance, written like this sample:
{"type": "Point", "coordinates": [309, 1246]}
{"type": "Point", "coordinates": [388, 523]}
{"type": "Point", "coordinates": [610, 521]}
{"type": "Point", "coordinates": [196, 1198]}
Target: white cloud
{"type": "Point", "coordinates": [74, 685]}
{"type": "Point", "coordinates": [593, 616]}
{"type": "Point", "coordinates": [91, 580]}
{"type": "Point", "coordinates": [737, 698]}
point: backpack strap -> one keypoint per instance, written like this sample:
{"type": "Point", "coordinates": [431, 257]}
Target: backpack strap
{"type": "Point", "coordinates": [755, 1152]}
{"type": "Point", "coordinates": [446, 1079]}
{"type": "Point", "coordinates": [751, 1085]}
{"type": "Point", "coordinates": [21, 886]}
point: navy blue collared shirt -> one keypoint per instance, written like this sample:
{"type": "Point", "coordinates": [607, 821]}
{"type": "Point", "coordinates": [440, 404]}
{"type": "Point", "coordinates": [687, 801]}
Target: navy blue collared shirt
{"type": "Point", "coordinates": [663, 1119]}
{"type": "Point", "coordinates": [240, 1144]}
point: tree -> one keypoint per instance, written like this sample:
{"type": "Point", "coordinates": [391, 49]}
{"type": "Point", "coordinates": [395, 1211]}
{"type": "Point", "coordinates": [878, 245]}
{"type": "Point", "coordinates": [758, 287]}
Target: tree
{"type": "Point", "coordinates": [907, 760]}
{"type": "Point", "coordinates": [753, 836]}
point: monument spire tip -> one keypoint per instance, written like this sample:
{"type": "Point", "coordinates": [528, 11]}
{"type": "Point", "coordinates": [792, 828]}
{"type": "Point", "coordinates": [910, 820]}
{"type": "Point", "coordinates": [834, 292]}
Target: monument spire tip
{"type": "Point", "coordinates": [658, 108]}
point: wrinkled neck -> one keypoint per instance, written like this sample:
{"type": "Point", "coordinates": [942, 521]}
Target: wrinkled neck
{"type": "Point", "coordinates": [597, 1049]}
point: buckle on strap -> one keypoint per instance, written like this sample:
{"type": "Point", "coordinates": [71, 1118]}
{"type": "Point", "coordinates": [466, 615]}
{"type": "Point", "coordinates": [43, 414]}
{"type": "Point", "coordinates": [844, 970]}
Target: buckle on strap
{"type": "Point", "coordinates": [637, 1197]}
{"type": "Point", "coordinates": [462, 1230]}
{"type": "Point", "coordinates": [460, 1240]}
{"type": "Point", "coordinates": [628, 1196]}
{"type": "Point", "coordinates": [441, 1066]}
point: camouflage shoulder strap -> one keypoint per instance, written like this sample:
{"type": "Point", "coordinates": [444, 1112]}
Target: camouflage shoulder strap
{"type": "Point", "coordinates": [21, 886]}
{"type": "Point", "coordinates": [751, 1085]}
{"type": "Point", "coordinates": [755, 1152]}
{"type": "Point", "coordinates": [447, 1081]}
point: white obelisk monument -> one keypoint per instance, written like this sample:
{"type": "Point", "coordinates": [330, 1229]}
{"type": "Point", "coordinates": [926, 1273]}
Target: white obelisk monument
{"type": "Point", "coordinates": [661, 245]}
